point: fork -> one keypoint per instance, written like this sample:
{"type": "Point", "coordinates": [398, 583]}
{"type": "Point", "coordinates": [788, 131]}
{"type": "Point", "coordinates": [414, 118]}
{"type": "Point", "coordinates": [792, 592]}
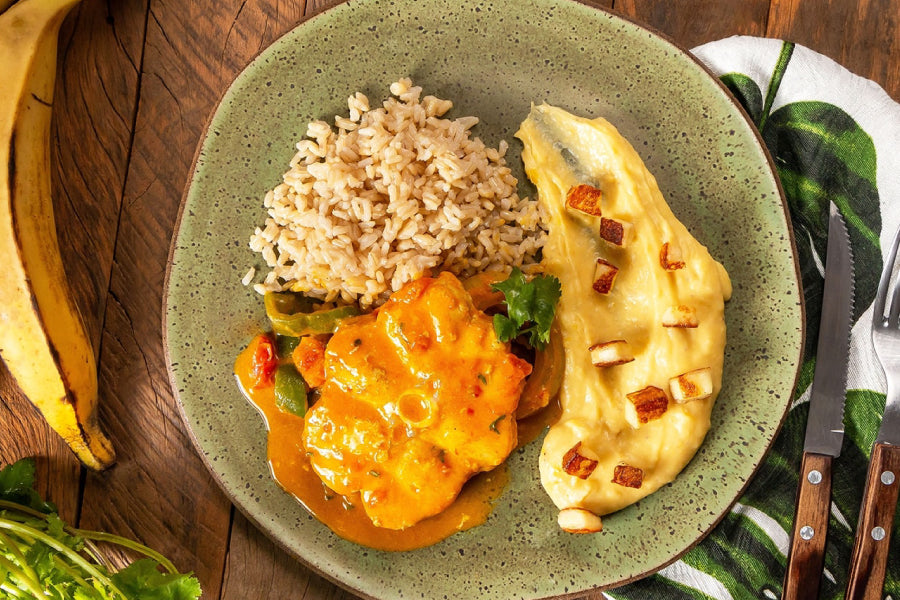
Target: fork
{"type": "Point", "coordinates": [868, 561]}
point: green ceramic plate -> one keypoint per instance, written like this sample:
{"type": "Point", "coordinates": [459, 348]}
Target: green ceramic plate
{"type": "Point", "coordinates": [493, 59]}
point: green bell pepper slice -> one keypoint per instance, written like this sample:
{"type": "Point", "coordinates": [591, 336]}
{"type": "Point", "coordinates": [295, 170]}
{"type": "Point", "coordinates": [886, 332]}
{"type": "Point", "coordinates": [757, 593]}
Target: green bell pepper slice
{"type": "Point", "coordinates": [290, 390]}
{"type": "Point", "coordinates": [285, 345]}
{"type": "Point", "coordinates": [292, 315]}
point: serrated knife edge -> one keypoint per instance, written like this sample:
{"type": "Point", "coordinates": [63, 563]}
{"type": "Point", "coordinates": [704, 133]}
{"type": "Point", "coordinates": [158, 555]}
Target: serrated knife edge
{"type": "Point", "coordinates": [824, 428]}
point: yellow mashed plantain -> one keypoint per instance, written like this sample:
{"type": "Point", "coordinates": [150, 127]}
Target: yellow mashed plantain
{"type": "Point", "coordinates": [624, 457]}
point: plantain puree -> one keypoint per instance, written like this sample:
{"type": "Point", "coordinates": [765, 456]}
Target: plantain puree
{"type": "Point", "coordinates": [641, 298]}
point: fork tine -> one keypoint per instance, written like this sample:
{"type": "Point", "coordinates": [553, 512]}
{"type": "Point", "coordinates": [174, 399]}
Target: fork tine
{"type": "Point", "coordinates": [883, 285]}
{"type": "Point", "coordinates": [894, 317]}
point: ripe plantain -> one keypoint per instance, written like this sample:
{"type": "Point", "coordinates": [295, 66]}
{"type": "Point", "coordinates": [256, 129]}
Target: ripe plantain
{"type": "Point", "coordinates": [43, 340]}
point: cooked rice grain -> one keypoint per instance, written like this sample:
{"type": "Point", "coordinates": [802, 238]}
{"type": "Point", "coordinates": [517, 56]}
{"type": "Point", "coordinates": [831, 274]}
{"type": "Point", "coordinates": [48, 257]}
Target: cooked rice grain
{"type": "Point", "coordinates": [390, 194]}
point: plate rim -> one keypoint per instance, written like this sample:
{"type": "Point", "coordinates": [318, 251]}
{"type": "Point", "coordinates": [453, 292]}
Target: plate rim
{"type": "Point", "coordinates": [266, 531]}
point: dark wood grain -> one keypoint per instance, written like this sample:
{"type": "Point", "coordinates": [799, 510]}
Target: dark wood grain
{"type": "Point", "coordinates": [868, 561]}
{"type": "Point", "coordinates": [695, 22]}
{"type": "Point", "coordinates": [869, 34]}
{"type": "Point", "coordinates": [806, 557]}
{"type": "Point", "coordinates": [257, 568]}
{"type": "Point", "coordinates": [101, 46]}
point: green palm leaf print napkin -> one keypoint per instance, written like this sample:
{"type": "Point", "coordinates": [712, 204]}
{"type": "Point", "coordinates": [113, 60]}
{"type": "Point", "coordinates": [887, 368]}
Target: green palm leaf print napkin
{"type": "Point", "coordinates": [833, 137]}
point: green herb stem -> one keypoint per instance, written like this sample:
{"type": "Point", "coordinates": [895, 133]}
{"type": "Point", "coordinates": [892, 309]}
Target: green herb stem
{"type": "Point", "coordinates": [23, 509]}
{"type": "Point", "coordinates": [69, 553]}
{"type": "Point", "coordinates": [41, 556]}
{"type": "Point", "coordinates": [92, 535]}
{"type": "Point", "coordinates": [70, 571]}
{"type": "Point", "coordinates": [110, 538]}
{"type": "Point", "coordinates": [15, 549]}
{"type": "Point", "coordinates": [14, 592]}
{"type": "Point", "coordinates": [493, 425]}
{"type": "Point", "coordinates": [91, 549]}
{"type": "Point", "coordinates": [32, 585]}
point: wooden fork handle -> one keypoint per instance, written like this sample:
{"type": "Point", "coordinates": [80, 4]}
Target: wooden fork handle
{"type": "Point", "coordinates": [806, 557]}
{"type": "Point", "coordinates": [876, 517]}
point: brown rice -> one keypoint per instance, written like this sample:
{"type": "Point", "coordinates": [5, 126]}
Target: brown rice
{"type": "Point", "coordinates": [393, 193]}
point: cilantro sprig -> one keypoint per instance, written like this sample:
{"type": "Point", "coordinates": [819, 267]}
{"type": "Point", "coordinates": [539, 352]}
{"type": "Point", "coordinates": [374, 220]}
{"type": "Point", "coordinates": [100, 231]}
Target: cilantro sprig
{"type": "Point", "coordinates": [42, 557]}
{"type": "Point", "coordinates": [531, 306]}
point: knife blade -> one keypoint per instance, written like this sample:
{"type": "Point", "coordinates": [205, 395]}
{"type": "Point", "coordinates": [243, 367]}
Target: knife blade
{"type": "Point", "coordinates": [825, 425]}
{"type": "Point", "coordinates": [868, 562]}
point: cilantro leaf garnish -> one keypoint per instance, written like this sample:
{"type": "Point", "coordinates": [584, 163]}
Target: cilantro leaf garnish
{"type": "Point", "coordinates": [505, 328]}
{"type": "Point", "coordinates": [530, 305]}
{"type": "Point", "coordinates": [17, 485]}
{"type": "Point", "coordinates": [142, 579]}
{"type": "Point", "coordinates": [43, 557]}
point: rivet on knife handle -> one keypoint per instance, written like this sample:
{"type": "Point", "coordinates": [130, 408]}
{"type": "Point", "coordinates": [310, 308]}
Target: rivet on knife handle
{"type": "Point", "coordinates": [873, 533]}
{"type": "Point", "coordinates": [806, 557]}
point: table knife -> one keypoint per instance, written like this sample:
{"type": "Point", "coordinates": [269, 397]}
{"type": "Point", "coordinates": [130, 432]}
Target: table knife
{"type": "Point", "coordinates": [825, 426]}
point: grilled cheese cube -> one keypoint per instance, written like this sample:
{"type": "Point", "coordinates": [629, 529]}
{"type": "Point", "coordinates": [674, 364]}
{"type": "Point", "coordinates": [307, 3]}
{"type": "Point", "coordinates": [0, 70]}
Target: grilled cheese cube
{"type": "Point", "coordinates": [693, 385]}
{"type": "Point", "coordinates": [579, 462]}
{"type": "Point", "coordinates": [616, 233]}
{"type": "Point", "coordinates": [585, 198]}
{"type": "Point", "coordinates": [610, 354]}
{"type": "Point", "coordinates": [628, 476]}
{"type": "Point", "coordinates": [645, 405]}
{"type": "Point", "coordinates": [680, 316]}
{"type": "Point", "coordinates": [604, 276]}
{"type": "Point", "coordinates": [670, 258]}
{"type": "Point", "coordinates": [579, 520]}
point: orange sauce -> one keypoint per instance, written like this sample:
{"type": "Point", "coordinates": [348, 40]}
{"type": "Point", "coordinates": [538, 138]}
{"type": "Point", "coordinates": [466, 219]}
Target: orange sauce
{"type": "Point", "coordinates": [343, 514]}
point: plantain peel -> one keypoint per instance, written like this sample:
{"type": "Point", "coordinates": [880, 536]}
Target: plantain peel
{"type": "Point", "coordinates": [43, 339]}
{"type": "Point", "coordinates": [625, 263]}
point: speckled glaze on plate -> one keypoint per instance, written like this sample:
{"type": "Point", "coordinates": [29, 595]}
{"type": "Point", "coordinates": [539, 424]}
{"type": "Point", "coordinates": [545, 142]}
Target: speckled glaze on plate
{"type": "Point", "coordinates": [493, 59]}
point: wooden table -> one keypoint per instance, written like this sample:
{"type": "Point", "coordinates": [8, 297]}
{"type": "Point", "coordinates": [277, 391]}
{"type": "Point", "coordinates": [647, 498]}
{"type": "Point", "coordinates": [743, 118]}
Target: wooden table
{"type": "Point", "coordinates": [138, 80]}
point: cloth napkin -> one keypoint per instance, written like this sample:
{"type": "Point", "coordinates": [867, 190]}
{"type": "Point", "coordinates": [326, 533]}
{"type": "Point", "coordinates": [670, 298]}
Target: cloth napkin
{"type": "Point", "coordinates": [834, 136]}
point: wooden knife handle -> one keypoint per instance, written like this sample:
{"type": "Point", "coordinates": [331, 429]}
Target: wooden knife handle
{"type": "Point", "coordinates": [876, 518]}
{"type": "Point", "coordinates": [806, 557]}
